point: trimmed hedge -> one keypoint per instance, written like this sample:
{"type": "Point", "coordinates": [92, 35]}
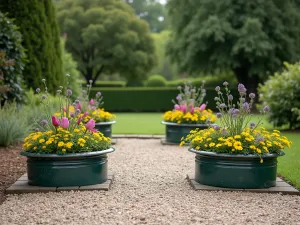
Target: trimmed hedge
{"type": "Point", "coordinates": [100, 83]}
{"type": "Point", "coordinates": [144, 99]}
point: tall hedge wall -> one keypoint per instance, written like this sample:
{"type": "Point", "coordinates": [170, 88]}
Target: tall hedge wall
{"type": "Point", "coordinates": [144, 99]}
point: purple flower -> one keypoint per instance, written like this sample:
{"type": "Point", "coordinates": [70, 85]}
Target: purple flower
{"type": "Point", "coordinates": [242, 99]}
{"type": "Point", "coordinates": [267, 108]}
{"type": "Point", "coordinates": [44, 97]}
{"type": "Point", "coordinates": [219, 115]}
{"type": "Point", "coordinates": [224, 131]}
{"type": "Point", "coordinates": [37, 129]}
{"type": "Point", "coordinates": [78, 111]}
{"type": "Point", "coordinates": [252, 95]}
{"type": "Point", "coordinates": [259, 139]}
{"type": "Point", "coordinates": [216, 127]}
{"type": "Point", "coordinates": [84, 91]}
{"type": "Point", "coordinates": [222, 105]}
{"type": "Point", "coordinates": [246, 106]}
{"type": "Point", "coordinates": [77, 101]}
{"type": "Point", "coordinates": [225, 83]}
{"type": "Point", "coordinates": [44, 122]}
{"type": "Point", "coordinates": [230, 97]}
{"type": "Point", "coordinates": [217, 89]}
{"type": "Point", "coordinates": [252, 125]}
{"type": "Point", "coordinates": [98, 94]}
{"type": "Point", "coordinates": [242, 89]}
{"type": "Point", "coordinates": [69, 92]}
{"type": "Point", "coordinates": [72, 114]}
{"type": "Point", "coordinates": [38, 90]}
{"type": "Point", "coordinates": [230, 111]}
{"type": "Point", "coordinates": [179, 98]}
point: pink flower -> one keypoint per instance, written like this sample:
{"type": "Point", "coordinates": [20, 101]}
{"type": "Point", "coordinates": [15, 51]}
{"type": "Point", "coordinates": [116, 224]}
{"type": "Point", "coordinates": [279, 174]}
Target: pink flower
{"type": "Point", "coordinates": [78, 106]}
{"type": "Point", "coordinates": [90, 125]}
{"type": "Point", "coordinates": [79, 120]}
{"type": "Point", "coordinates": [85, 114]}
{"type": "Point", "coordinates": [55, 121]}
{"type": "Point", "coordinates": [192, 110]}
{"type": "Point", "coordinates": [91, 102]}
{"type": "Point", "coordinates": [65, 122]}
{"type": "Point", "coordinates": [176, 107]}
{"type": "Point", "coordinates": [202, 107]}
{"type": "Point", "coordinates": [183, 108]}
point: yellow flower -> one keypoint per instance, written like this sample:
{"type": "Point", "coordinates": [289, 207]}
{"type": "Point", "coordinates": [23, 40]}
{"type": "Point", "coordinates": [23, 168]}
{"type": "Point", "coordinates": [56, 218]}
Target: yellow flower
{"type": "Point", "coordinates": [63, 150]}
{"type": "Point", "coordinates": [34, 148]}
{"type": "Point", "coordinates": [76, 130]}
{"type": "Point", "coordinates": [44, 147]}
{"type": "Point", "coordinates": [237, 137]}
{"type": "Point", "coordinates": [198, 147]}
{"type": "Point", "coordinates": [212, 144]}
{"type": "Point", "coordinates": [182, 143]}
{"type": "Point", "coordinates": [42, 140]}
{"type": "Point", "coordinates": [69, 145]}
{"type": "Point", "coordinates": [61, 144]}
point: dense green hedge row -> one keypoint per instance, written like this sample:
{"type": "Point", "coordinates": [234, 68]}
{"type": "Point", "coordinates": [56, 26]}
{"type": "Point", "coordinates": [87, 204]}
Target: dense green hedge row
{"type": "Point", "coordinates": [144, 99]}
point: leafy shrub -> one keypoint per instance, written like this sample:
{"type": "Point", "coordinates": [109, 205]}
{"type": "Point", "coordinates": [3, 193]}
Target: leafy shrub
{"type": "Point", "coordinates": [70, 67]}
{"type": "Point", "coordinates": [282, 93]}
{"type": "Point", "coordinates": [12, 59]}
{"type": "Point", "coordinates": [13, 127]}
{"type": "Point", "coordinates": [33, 108]}
{"type": "Point", "coordinates": [156, 81]}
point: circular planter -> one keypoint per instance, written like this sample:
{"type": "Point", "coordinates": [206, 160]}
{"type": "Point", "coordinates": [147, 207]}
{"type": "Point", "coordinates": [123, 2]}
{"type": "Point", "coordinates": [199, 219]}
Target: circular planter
{"type": "Point", "coordinates": [105, 128]}
{"type": "Point", "coordinates": [235, 171]}
{"type": "Point", "coordinates": [175, 131]}
{"type": "Point", "coordinates": [78, 169]}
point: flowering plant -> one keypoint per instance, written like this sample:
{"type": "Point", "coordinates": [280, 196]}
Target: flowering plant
{"type": "Point", "coordinates": [66, 133]}
{"type": "Point", "coordinates": [92, 106]}
{"type": "Point", "coordinates": [189, 107]}
{"type": "Point", "coordinates": [236, 136]}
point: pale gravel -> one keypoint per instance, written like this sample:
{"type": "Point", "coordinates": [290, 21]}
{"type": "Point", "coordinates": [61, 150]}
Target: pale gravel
{"type": "Point", "coordinates": [150, 188]}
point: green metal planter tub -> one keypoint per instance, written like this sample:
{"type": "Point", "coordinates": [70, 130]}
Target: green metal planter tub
{"type": "Point", "coordinates": [105, 128]}
{"type": "Point", "coordinates": [175, 131]}
{"type": "Point", "coordinates": [235, 171]}
{"type": "Point", "coordinates": [78, 169]}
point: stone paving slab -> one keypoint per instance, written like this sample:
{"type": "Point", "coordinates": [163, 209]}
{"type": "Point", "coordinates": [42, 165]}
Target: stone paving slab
{"type": "Point", "coordinates": [281, 187]}
{"type": "Point", "coordinates": [164, 142]}
{"type": "Point", "coordinates": [21, 186]}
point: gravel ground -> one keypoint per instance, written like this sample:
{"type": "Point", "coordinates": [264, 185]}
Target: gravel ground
{"type": "Point", "coordinates": [12, 166]}
{"type": "Point", "coordinates": [150, 188]}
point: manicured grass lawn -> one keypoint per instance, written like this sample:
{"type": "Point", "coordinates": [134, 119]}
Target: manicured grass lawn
{"type": "Point", "coordinates": [149, 123]}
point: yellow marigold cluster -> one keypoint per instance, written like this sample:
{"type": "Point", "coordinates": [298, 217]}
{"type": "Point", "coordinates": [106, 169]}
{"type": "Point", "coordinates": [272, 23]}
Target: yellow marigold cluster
{"type": "Point", "coordinates": [62, 141]}
{"type": "Point", "coordinates": [257, 142]}
{"type": "Point", "coordinates": [198, 117]}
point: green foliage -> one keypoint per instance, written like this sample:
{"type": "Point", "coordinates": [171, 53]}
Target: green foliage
{"type": "Point", "coordinates": [145, 99]}
{"type": "Point", "coordinates": [151, 11]}
{"type": "Point", "coordinates": [39, 29]}
{"type": "Point", "coordinates": [106, 37]}
{"type": "Point", "coordinates": [164, 65]}
{"type": "Point", "coordinates": [12, 59]}
{"type": "Point", "coordinates": [100, 83]}
{"type": "Point", "coordinates": [12, 125]}
{"type": "Point", "coordinates": [70, 67]}
{"type": "Point", "coordinates": [282, 93]}
{"type": "Point", "coordinates": [156, 81]}
{"type": "Point", "coordinates": [249, 37]}
{"type": "Point", "coordinates": [211, 81]}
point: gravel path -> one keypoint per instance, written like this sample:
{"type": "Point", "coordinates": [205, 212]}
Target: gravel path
{"type": "Point", "coordinates": [150, 188]}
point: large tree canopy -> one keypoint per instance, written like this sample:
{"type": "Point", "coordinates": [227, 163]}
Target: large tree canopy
{"type": "Point", "coordinates": [151, 11]}
{"type": "Point", "coordinates": [105, 36]}
{"type": "Point", "coordinates": [251, 38]}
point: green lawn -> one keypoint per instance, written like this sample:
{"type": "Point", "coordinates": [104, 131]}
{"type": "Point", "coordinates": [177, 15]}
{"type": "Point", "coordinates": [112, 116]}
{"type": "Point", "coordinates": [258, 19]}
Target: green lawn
{"type": "Point", "coordinates": [149, 123]}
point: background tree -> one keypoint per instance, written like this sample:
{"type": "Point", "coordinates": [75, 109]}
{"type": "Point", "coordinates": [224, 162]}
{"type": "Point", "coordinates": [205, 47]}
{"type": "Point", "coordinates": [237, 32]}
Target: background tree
{"type": "Point", "coordinates": [12, 59]}
{"type": "Point", "coordinates": [151, 11]}
{"type": "Point", "coordinates": [39, 29]}
{"type": "Point", "coordinates": [251, 38]}
{"type": "Point", "coordinates": [104, 36]}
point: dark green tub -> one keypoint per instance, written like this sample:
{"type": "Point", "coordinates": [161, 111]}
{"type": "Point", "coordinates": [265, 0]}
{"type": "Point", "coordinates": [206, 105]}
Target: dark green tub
{"type": "Point", "coordinates": [105, 128]}
{"type": "Point", "coordinates": [175, 131]}
{"type": "Point", "coordinates": [235, 171]}
{"type": "Point", "coordinates": [79, 169]}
